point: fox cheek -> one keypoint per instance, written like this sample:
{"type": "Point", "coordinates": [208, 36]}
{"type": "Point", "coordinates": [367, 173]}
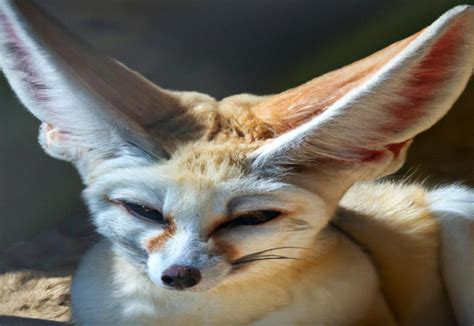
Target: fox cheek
{"type": "Point", "coordinates": [225, 249]}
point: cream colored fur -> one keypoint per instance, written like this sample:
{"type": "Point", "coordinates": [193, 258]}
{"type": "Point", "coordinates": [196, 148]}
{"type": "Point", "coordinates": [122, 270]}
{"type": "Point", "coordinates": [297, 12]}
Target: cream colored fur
{"type": "Point", "coordinates": [279, 298]}
{"type": "Point", "coordinates": [454, 205]}
{"type": "Point", "coordinates": [395, 223]}
{"type": "Point", "coordinates": [375, 215]}
{"type": "Point", "coordinates": [181, 181]}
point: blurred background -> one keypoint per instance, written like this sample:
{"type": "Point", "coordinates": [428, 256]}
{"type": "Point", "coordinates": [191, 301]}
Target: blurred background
{"type": "Point", "coordinates": [219, 47]}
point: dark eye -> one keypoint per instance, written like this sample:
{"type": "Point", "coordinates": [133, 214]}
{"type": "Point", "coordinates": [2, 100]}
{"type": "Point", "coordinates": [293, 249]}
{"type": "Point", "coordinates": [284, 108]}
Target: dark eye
{"type": "Point", "coordinates": [144, 212]}
{"type": "Point", "coordinates": [251, 218]}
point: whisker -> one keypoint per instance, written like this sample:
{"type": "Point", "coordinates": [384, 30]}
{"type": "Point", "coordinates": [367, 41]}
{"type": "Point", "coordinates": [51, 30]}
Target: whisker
{"type": "Point", "coordinates": [271, 249]}
{"type": "Point", "coordinates": [244, 261]}
{"type": "Point", "coordinates": [254, 256]}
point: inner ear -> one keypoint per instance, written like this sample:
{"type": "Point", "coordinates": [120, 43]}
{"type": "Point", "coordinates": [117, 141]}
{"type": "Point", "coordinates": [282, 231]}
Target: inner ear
{"type": "Point", "coordinates": [59, 144]}
{"type": "Point", "coordinates": [368, 111]}
{"type": "Point", "coordinates": [384, 162]}
{"type": "Point", "coordinates": [87, 101]}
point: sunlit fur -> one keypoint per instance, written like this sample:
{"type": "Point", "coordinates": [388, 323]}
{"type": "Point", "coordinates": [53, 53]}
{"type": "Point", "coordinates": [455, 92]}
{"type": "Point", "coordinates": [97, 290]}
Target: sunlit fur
{"type": "Point", "coordinates": [454, 205]}
{"type": "Point", "coordinates": [199, 190]}
{"type": "Point", "coordinates": [202, 162]}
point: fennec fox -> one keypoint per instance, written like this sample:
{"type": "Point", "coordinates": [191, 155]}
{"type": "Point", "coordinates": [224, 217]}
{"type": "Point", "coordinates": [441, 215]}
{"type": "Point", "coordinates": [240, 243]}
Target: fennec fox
{"type": "Point", "coordinates": [252, 209]}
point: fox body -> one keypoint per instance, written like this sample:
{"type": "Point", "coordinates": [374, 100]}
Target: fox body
{"type": "Point", "coordinates": [332, 281]}
{"type": "Point", "coordinates": [256, 209]}
{"type": "Point", "coordinates": [397, 281]}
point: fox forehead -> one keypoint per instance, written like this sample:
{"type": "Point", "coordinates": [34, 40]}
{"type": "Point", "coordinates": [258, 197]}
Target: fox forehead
{"type": "Point", "coordinates": [232, 133]}
{"type": "Point", "coordinates": [212, 169]}
{"type": "Point", "coordinates": [232, 118]}
{"type": "Point", "coordinates": [197, 174]}
{"type": "Point", "coordinates": [215, 165]}
{"type": "Point", "coordinates": [229, 132]}
{"type": "Point", "coordinates": [209, 162]}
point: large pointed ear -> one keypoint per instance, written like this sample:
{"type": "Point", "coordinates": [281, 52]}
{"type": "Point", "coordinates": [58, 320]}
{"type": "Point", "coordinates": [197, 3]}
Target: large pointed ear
{"type": "Point", "coordinates": [89, 103]}
{"type": "Point", "coordinates": [373, 106]}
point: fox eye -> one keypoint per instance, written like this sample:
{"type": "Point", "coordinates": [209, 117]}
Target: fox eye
{"type": "Point", "coordinates": [252, 218]}
{"type": "Point", "coordinates": [145, 212]}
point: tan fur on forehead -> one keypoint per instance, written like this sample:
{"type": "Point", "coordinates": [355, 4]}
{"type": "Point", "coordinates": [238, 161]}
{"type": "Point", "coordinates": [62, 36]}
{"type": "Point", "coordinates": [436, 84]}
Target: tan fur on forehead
{"type": "Point", "coordinates": [235, 120]}
{"type": "Point", "coordinates": [233, 133]}
{"type": "Point", "coordinates": [215, 160]}
{"type": "Point", "coordinates": [231, 119]}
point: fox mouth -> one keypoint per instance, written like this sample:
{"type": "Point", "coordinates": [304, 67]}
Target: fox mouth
{"type": "Point", "coordinates": [218, 274]}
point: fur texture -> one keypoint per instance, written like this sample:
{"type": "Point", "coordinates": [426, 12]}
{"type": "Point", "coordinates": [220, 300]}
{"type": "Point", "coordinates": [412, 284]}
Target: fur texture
{"type": "Point", "coordinates": [454, 205]}
{"type": "Point", "coordinates": [209, 171]}
{"type": "Point", "coordinates": [29, 294]}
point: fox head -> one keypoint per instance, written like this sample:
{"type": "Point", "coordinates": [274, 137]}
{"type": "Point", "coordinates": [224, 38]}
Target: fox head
{"type": "Point", "coordinates": [197, 192]}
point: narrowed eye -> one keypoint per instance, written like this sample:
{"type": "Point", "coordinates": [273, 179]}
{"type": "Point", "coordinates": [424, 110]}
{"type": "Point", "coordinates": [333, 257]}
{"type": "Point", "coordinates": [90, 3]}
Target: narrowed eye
{"type": "Point", "coordinates": [144, 212]}
{"type": "Point", "coordinates": [252, 218]}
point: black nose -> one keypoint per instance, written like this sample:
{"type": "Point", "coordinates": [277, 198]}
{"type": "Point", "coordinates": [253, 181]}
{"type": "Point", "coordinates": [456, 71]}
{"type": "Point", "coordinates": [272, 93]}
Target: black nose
{"type": "Point", "coordinates": [181, 277]}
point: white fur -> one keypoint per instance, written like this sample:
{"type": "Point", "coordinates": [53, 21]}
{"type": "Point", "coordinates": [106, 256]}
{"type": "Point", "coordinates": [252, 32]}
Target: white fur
{"type": "Point", "coordinates": [67, 107]}
{"type": "Point", "coordinates": [76, 98]}
{"type": "Point", "coordinates": [109, 291]}
{"type": "Point", "coordinates": [193, 209]}
{"type": "Point", "coordinates": [454, 206]}
{"type": "Point", "coordinates": [111, 287]}
{"type": "Point", "coordinates": [119, 281]}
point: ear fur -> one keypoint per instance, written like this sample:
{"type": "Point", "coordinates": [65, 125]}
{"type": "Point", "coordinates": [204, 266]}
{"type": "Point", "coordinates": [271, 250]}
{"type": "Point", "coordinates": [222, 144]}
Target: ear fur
{"type": "Point", "coordinates": [376, 104]}
{"type": "Point", "coordinates": [89, 103]}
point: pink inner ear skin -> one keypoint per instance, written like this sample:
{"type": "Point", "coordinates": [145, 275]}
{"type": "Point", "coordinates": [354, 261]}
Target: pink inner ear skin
{"type": "Point", "coordinates": [429, 76]}
{"type": "Point", "coordinates": [298, 105]}
{"type": "Point", "coordinates": [24, 63]}
{"type": "Point", "coordinates": [375, 155]}
{"type": "Point", "coordinates": [397, 148]}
